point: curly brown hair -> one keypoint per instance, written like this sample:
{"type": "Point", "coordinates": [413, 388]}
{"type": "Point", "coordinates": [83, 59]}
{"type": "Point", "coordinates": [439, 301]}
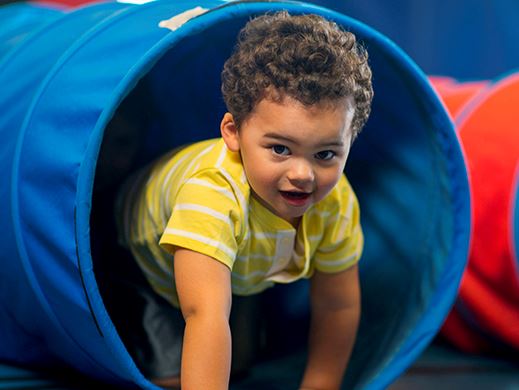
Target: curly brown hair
{"type": "Point", "coordinates": [306, 57]}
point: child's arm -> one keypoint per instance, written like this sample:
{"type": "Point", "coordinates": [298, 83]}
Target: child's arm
{"type": "Point", "coordinates": [335, 313]}
{"type": "Point", "coordinates": [204, 290]}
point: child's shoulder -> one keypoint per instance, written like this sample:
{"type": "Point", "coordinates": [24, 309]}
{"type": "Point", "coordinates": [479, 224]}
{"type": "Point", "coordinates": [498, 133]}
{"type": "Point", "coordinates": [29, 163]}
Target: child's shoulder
{"type": "Point", "coordinates": [198, 148]}
{"type": "Point", "coordinates": [341, 191]}
{"type": "Point", "coordinates": [209, 161]}
{"type": "Point", "coordinates": [340, 198]}
{"type": "Point", "coordinates": [186, 154]}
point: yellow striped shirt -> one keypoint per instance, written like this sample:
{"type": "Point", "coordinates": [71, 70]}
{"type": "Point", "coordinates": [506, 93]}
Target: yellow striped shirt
{"type": "Point", "coordinates": [198, 197]}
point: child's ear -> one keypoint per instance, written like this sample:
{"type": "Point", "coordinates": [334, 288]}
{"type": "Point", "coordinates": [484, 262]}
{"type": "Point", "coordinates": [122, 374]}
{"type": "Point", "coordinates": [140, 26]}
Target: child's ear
{"type": "Point", "coordinates": [230, 132]}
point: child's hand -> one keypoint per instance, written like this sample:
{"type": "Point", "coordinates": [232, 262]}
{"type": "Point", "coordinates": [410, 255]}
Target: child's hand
{"type": "Point", "coordinates": [172, 383]}
{"type": "Point", "coordinates": [314, 388]}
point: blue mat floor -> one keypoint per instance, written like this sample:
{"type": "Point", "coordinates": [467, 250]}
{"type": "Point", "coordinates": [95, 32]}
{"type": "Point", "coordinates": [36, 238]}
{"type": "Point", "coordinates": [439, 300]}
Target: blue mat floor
{"type": "Point", "coordinates": [442, 368]}
{"type": "Point", "coordinates": [439, 367]}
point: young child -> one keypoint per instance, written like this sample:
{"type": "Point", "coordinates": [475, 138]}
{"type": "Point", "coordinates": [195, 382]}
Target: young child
{"type": "Point", "coordinates": [266, 203]}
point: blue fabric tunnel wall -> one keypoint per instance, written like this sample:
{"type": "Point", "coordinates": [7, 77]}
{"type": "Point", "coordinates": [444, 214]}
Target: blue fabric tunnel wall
{"type": "Point", "coordinates": [20, 20]}
{"type": "Point", "coordinates": [66, 89]}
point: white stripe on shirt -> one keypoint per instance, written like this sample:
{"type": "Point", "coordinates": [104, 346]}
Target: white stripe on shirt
{"type": "Point", "coordinates": [267, 235]}
{"type": "Point", "coordinates": [175, 168]}
{"type": "Point", "coordinates": [222, 190]}
{"type": "Point", "coordinates": [255, 257]}
{"type": "Point", "coordinates": [221, 157]}
{"type": "Point", "coordinates": [203, 239]}
{"type": "Point", "coordinates": [205, 210]}
{"type": "Point", "coordinates": [335, 262]}
{"type": "Point", "coordinates": [235, 186]}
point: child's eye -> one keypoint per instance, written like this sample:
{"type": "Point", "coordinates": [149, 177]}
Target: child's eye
{"type": "Point", "coordinates": [280, 150]}
{"type": "Point", "coordinates": [325, 155]}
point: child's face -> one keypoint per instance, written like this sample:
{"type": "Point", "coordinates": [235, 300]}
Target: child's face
{"type": "Point", "coordinates": [293, 155]}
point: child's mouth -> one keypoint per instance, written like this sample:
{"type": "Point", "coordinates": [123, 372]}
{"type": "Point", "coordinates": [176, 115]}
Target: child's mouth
{"type": "Point", "coordinates": [295, 198]}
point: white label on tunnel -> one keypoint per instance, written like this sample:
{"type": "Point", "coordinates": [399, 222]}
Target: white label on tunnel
{"type": "Point", "coordinates": [178, 20]}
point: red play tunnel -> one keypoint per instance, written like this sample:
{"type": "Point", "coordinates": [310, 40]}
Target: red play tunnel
{"type": "Point", "coordinates": [486, 315]}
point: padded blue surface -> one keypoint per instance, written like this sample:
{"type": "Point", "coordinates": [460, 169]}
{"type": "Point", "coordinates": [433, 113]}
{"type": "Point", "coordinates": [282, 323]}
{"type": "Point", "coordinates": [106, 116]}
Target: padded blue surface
{"type": "Point", "coordinates": [437, 367]}
{"type": "Point", "coordinates": [17, 378]}
{"type": "Point", "coordinates": [406, 167]}
{"type": "Point", "coordinates": [21, 20]}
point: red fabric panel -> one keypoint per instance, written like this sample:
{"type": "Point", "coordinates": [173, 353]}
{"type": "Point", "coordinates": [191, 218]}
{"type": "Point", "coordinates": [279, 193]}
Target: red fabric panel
{"type": "Point", "coordinates": [489, 292]}
{"type": "Point", "coordinates": [456, 95]}
{"type": "Point", "coordinates": [456, 331]}
{"type": "Point", "coordinates": [65, 3]}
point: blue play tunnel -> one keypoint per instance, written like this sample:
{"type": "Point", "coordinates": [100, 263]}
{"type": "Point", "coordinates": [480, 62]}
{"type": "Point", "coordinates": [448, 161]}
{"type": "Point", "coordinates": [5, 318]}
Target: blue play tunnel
{"type": "Point", "coordinates": [101, 90]}
{"type": "Point", "coordinates": [20, 20]}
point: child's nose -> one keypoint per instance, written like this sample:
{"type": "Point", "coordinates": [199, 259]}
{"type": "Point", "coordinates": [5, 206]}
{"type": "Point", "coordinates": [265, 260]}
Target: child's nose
{"type": "Point", "coordinates": [301, 172]}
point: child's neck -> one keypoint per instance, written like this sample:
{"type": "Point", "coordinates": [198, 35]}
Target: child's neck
{"type": "Point", "coordinates": [295, 222]}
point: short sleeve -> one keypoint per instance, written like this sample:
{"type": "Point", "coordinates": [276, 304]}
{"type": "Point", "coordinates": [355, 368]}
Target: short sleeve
{"type": "Point", "coordinates": [206, 218]}
{"type": "Point", "coordinates": [343, 240]}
